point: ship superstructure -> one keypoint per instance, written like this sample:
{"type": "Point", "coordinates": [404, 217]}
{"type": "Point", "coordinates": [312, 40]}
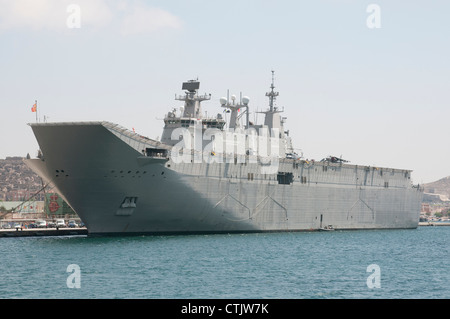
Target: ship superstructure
{"type": "Point", "coordinates": [209, 175]}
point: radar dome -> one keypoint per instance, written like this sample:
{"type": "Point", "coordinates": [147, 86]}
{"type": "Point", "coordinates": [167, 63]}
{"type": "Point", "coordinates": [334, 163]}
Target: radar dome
{"type": "Point", "coordinates": [245, 100]}
{"type": "Point", "coordinates": [223, 100]}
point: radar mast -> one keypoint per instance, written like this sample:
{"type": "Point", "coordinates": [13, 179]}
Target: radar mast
{"type": "Point", "coordinates": [192, 100]}
{"type": "Point", "coordinates": [272, 94]}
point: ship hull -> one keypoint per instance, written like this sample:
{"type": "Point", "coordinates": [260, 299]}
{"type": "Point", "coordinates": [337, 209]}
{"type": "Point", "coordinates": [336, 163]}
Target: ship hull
{"type": "Point", "coordinates": [103, 174]}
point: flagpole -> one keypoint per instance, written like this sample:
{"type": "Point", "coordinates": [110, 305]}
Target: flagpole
{"type": "Point", "coordinates": [36, 111]}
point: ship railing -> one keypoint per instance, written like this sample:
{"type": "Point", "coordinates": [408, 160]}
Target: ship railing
{"type": "Point", "coordinates": [226, 157]}
{"type": "Point", "coordinates": [124, 132]}
{"type": "Point", "coordinates": [194, 97]}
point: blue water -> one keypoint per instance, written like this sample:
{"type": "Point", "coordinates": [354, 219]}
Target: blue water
{"type": "Point", "coordinates": [412, 264]}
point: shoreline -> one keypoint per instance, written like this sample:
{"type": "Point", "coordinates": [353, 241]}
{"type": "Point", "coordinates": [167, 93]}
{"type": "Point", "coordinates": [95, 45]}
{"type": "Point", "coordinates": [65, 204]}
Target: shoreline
{"type": "Point", "coordinates": [39, 232]}
{"type": "Point", "coordinates": [434, 223]}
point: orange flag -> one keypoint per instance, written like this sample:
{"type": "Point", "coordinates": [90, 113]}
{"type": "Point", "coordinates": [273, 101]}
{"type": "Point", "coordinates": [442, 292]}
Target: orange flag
{"type": "Point", "coordinates": [34, 108]}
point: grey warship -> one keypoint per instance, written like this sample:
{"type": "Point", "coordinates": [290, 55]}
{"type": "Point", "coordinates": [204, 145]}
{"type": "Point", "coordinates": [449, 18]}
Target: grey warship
{"type": "Point", "coordinates": [220, 174]}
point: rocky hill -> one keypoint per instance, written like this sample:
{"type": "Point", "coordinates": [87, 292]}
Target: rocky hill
{"type": "Point", "coordinates": [17, 180]}
{"type": "Point", "coordinates": [441, 186]}
{"type": "Point", "coordinates": [438, 191]}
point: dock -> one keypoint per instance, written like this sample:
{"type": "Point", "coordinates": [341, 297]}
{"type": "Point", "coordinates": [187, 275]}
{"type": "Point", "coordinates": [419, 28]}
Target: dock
{"type": "Point", "coordinates": [434, 223]}
{"type": "Point", "coordinates": [40, 232]}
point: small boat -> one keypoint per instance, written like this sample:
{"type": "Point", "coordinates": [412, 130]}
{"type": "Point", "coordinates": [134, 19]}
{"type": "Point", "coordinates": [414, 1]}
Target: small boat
{"type": "Point", "coordinates": [326, 228]}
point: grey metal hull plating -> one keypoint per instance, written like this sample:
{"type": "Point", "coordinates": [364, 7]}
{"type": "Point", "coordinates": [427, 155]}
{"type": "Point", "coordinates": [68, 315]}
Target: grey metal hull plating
{"type": "Point", "coordinates": [95, 166]}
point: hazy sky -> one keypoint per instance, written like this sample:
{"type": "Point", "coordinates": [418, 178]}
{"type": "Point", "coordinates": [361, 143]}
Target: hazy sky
{"type": "Point", "coordinates": [372, 86]}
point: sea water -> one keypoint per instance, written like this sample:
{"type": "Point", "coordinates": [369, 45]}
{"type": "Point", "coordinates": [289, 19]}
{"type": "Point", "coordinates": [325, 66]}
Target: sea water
{"type": "Point", "coordinates": [375, 264]}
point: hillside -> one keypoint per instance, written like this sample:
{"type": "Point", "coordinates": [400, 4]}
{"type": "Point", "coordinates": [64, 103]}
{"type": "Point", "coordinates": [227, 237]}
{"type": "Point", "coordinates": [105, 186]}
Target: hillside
{"type": "Point", "coordinates": [441, 186]}
{"type": "Point", "coordinates": [17, 180]}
